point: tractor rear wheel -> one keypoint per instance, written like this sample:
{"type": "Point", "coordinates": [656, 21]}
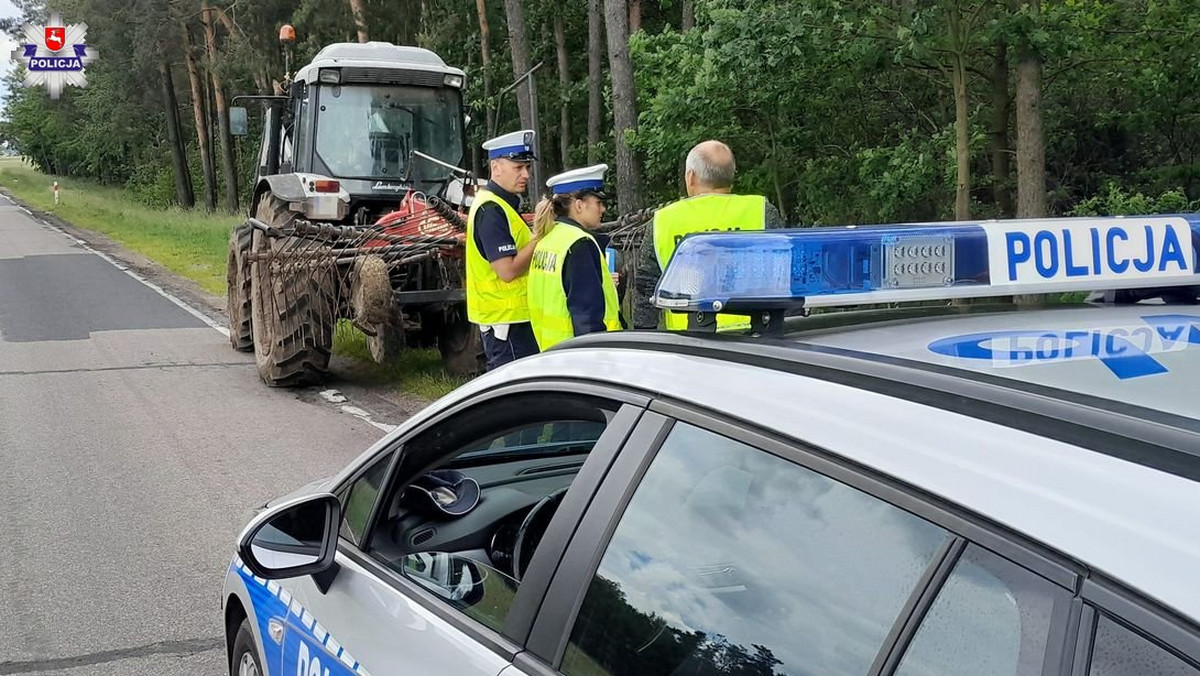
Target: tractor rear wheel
{"type": "Point", "coordinates": [237, 298]}
{"type": "Point", "coordinates": [461, 345]}
{"type": "Point", "coordinates": [294, 307]}
{"type": "Point", "coordinates": [388, 341]}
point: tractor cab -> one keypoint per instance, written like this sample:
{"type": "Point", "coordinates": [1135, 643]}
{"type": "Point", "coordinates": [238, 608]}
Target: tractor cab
{"type": "Point", "coordinates": [366, 117]}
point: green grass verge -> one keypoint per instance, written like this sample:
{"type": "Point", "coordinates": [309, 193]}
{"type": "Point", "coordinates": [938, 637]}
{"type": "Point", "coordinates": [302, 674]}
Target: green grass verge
{"type": "Point", "coordinates": [191, 244]}
{"type": "Point", "coordinates": [416, 372]}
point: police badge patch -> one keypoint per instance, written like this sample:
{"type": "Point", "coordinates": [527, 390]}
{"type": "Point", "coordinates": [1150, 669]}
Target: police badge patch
{"type": "Point", "coordinates": [55, 55]}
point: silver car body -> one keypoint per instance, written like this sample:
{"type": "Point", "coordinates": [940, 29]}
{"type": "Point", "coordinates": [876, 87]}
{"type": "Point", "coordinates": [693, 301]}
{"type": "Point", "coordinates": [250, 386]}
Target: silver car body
{"type": "Point", "coordinates": [1131, 522]}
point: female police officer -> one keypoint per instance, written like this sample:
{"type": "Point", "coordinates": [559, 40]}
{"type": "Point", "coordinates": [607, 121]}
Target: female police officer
{"type": "Point", "coordinates": [571, 291]}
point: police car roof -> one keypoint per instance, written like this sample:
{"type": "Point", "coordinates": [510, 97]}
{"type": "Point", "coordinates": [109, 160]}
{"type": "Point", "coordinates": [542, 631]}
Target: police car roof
{"type": "Point", "coordinates": [1112, 490]}
{"type": "Point", "coordinates": [1142, 358]}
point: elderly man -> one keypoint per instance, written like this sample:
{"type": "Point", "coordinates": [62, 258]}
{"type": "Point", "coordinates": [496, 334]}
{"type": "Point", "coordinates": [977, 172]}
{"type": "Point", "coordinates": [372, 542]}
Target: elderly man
{"type": "Point", "coordinates": [709, 206]}
{"type": "Point", "coordinates": [499, 247]}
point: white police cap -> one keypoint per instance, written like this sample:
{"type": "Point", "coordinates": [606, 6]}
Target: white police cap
{"type": "Point", "coordinates": [517, 146]}
{"type": "Point", "coordinates": [590, 179]}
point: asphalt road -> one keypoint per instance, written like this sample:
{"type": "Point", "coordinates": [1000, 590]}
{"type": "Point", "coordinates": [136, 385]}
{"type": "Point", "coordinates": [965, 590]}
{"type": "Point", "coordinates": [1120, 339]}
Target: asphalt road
{"type": "Point", "coordinates": [134, 445]}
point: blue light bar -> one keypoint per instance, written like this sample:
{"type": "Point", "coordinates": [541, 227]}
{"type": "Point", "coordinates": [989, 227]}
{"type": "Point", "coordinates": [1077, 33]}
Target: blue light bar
{"type": "Point", "coordinates": [852, 265]}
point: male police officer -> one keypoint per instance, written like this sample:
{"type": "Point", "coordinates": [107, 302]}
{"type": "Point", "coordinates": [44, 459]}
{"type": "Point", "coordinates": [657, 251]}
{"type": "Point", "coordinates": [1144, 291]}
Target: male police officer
{"type": "Point", "coordinates": [709, 206]}
{"type": "Point", "coordinates": [499, 246]}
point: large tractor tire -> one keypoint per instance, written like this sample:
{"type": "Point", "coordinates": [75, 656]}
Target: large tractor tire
{"type": "Point", "coordinates": [461, 346]}
{"type": "Point", "coordinates": [293, 309]}
{"type": "Point", "coordinates": [237, 298]}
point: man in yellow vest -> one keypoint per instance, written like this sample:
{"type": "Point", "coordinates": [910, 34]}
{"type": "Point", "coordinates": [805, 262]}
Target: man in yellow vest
{"type": "Point", "coordinates": [499, 247]}
{"type": "Point", "coordinates": [571, 288]}
{"type": "Point", "coordinates": [710, 206]}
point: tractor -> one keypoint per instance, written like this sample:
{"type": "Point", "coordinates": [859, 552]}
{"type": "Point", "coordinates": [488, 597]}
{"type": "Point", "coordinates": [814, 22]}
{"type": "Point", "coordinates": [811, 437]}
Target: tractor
{"type": "Point", "coordinates": [357, 213]}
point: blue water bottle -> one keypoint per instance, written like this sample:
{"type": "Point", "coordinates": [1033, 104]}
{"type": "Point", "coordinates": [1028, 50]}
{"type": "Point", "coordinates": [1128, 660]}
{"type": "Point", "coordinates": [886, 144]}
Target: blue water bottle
{"type": "Point", "coordinates": [611, 254]}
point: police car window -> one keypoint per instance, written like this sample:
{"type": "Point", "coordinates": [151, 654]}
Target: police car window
{"type": "Point", "coordinates": [729, 560]}
{"type": "Point", "coordinates": [360, 497]}
{"type": "Point", "coordinates": [991, 618]}
{"type": "Point", "coordinates": [1117, 651]}
{"type": "Point", "coordinates": [488, 482]}
{"type": "Point", "coordinates": [557, 437]}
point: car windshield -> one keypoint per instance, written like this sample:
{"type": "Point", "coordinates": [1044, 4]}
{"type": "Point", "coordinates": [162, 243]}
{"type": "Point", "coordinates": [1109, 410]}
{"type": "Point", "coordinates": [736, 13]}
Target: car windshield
{"type": "Point", "coordinates": [368, 131]}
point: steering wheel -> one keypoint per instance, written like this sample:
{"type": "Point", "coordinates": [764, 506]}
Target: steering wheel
{"type": "Point", "coordinates": [532, 529]}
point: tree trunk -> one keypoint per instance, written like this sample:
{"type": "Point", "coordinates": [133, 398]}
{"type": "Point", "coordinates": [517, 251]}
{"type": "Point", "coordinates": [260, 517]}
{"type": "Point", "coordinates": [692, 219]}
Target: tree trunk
{"type": "Point", "coordinates": [1001, 108]}
{"type": "Point", "coordinates": [962, 139]}
{"type": "Point", "coordinates": [485, 55]}
{"type": "Point", "coordinates": [624, 102]}
{"type": "Point", "coordinates": [183, 179]}
{"type": "Point", "coordinates": [229, 169]}
{"type": "Point", "coordinates": [962, 120]}
{"type": "Point", "coordinates": [564, 87]}
{"type": "Point", "coordinates": [262, 83]}
{"type": "Point", "coordinates": [635, 16]}
{"type": "Point", "coordinates": [1031, 144]}
{"type": "Point", "coordinates": [360, 19]}
{"type": "Point", "coordinates": [518, 41]}
{"type": "Point", "coordinates": [409, 13]}
{"type": "Point", "coordinates": [595, 78]}
{"type": "Point", "coordinates": [201, 119]}
{"type": "Point", "coordinates": [689, 16]}
{"type": "Point", "coordinates": [227, 22]}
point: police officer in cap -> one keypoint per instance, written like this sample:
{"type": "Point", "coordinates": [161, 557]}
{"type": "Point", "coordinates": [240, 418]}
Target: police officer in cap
{"type": "Point", "coordinates": [499, 247]}
{"type": "Point", "coordinates": [571, 290]}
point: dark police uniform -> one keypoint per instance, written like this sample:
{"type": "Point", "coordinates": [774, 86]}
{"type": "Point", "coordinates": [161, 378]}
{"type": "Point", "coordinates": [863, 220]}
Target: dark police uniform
{"type": "Point", "coordinates": [494, 240]}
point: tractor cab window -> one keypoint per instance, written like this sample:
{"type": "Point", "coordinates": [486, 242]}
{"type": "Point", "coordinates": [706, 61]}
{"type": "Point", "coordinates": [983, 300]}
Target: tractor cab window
{"type": "Point", "coordinates": [294, 141]}
{"type": "Point", "coordinates": [368, 131]}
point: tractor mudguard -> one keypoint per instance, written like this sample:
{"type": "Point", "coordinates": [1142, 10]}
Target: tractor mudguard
{"type": "Point", "coordinates": [287, 187]}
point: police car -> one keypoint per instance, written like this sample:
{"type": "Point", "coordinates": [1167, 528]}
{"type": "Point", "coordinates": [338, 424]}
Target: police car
{"type": "Point", "coordinates": [938, 491]}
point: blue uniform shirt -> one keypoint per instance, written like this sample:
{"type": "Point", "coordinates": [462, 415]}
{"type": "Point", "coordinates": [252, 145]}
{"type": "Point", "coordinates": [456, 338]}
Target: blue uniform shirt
{"type": "Point", "coordinates": [582, 268]}
{"type": "Point", "coordinates": [492, 233]}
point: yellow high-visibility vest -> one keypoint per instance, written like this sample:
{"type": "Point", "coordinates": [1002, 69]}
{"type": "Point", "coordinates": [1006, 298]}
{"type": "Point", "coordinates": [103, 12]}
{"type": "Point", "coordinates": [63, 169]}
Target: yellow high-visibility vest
{"type": "Point", "coordinates": [491, 300]}
{"type": "Point", "coordinates": [548, 311]}
{"type": "Point", "coordinates": [705, 213]}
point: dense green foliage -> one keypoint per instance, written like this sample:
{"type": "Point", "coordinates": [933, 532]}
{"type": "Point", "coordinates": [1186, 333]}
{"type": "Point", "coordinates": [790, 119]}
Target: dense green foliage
{"type": "Point", "coordinates": [838, 110]}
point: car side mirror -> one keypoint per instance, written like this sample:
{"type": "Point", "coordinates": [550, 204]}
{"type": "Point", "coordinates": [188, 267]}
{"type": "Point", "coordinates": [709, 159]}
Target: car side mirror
{"type": "Point", "coordinates": [239, 122]}
{"type": "Point", "coordinates": [293, 539]}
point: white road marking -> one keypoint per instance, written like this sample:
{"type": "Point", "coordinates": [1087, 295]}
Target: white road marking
{"type": "Point", "coordinates": [336, 397]}
{"type": "Point", "coordinates": [333, 397]}
{"type": "Point", "coordinates": [366, 417]}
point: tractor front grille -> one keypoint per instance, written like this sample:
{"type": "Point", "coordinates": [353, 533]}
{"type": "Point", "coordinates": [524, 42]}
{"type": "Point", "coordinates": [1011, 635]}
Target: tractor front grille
{"type": "Point", "coordinates": [398, 76]}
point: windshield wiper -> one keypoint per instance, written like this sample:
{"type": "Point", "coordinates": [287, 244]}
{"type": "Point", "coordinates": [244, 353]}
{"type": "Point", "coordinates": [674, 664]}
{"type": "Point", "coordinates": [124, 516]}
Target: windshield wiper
{"type": "Point", "coordinates": [417, 153]}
